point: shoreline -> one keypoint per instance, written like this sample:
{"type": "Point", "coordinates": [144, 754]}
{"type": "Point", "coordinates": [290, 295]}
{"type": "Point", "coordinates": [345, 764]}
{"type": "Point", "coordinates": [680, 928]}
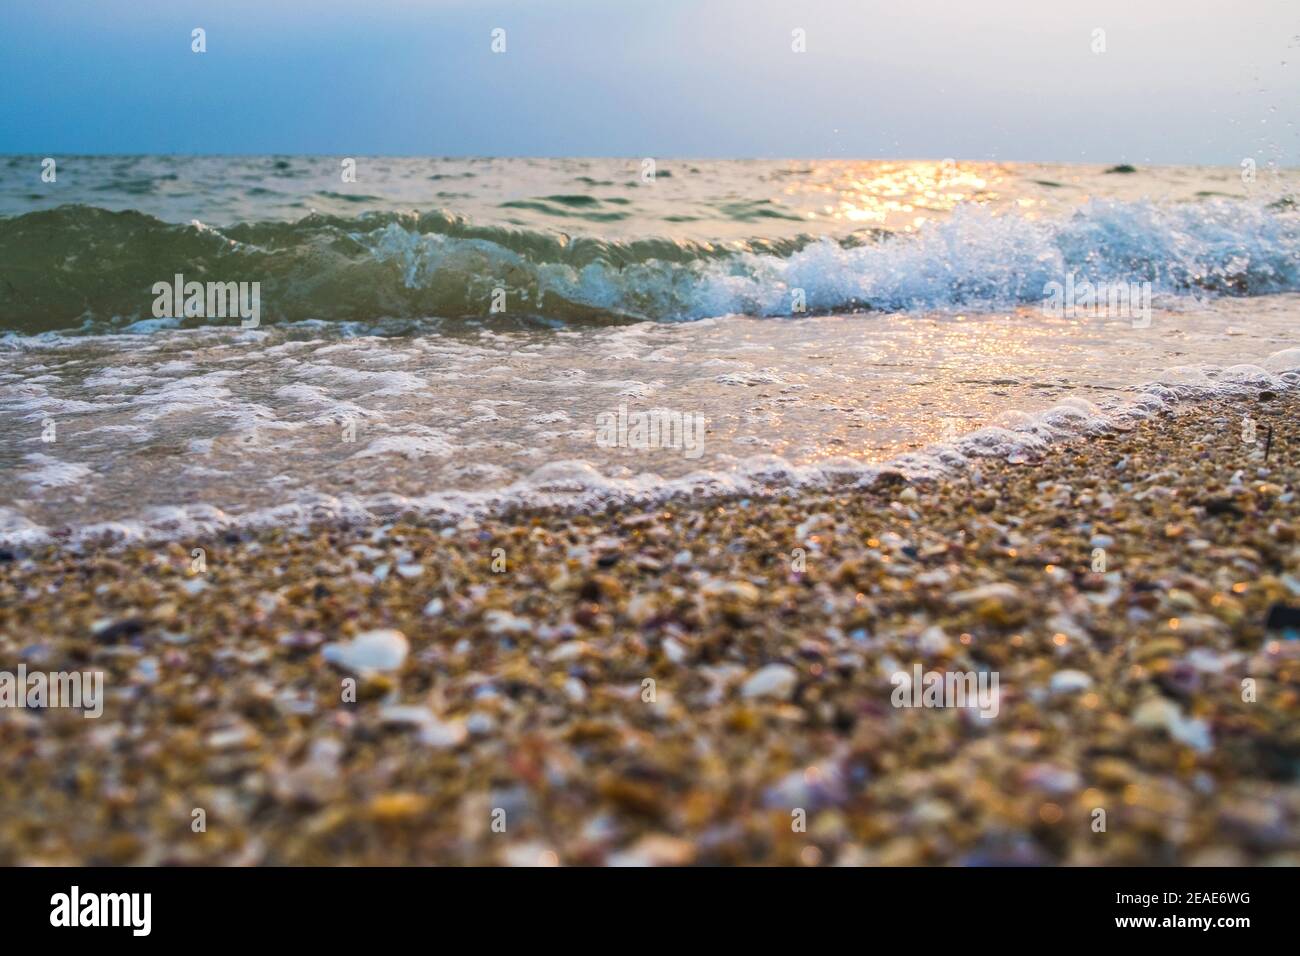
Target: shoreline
{"type": "Point", "coordinates": [1016, 435]}
{"type": "Point", "coordinates": [772, 630]}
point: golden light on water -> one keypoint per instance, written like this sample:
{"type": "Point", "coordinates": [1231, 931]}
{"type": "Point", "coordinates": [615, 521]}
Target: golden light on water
{"type": "Point", "coordinates": [945, 352]}
{"type": "Point", "coordinates": [899, 195]}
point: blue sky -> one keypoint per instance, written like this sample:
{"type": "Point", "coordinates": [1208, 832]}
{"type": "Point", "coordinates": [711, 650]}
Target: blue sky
{"type": "Point", "coordinates": [1181, 81]}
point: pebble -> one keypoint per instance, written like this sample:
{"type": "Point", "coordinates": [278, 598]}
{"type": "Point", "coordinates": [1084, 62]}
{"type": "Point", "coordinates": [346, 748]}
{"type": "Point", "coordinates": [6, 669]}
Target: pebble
{"type": "Point", "coordinates": [655, 849]}
{"type": "Point", "coordinates": [999, 593]}
{"type": "Point", "coordinates": [380, 650]}
{"type": "Point", "coordinates": [503, 622]}
{"type": "Point", "coordinates": [480, 724]}
{"type": "Point", "coordinates": [1070, 682]}
{"type": "Point", "coordinates": [1160, 713]}
{"type": "Point", "coordinates": [774, 680]}
{"type": "Point", "coordinates": [933, 641]}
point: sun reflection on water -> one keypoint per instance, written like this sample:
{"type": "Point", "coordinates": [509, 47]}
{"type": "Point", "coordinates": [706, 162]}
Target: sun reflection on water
{"type": "Point", "coordinates": [900, 195]}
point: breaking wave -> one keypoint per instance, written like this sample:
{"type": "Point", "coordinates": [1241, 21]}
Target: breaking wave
{"type": "Point", "coordinates": [81, 267]}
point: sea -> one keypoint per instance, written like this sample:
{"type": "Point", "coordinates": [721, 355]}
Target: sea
{"type": "Point", "coordinates": [194, 345]}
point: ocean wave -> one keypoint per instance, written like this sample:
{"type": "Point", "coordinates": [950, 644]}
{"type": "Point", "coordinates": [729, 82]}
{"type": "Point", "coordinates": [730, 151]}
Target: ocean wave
{"type": "Point", "coordinates": [85, 267]}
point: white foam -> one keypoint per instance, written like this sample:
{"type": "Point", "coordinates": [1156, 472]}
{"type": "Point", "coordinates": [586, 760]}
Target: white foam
{"type": "Point", "coordinates": [975, 259]}
{"type": "Point", "coordinates": [408, 446]}
{"type": "Point", "coordinates": [257, 436]}
{"type": "Point", "coordinates": [52, 473]}
{"type": "Point", "coordinates": [579, 486]}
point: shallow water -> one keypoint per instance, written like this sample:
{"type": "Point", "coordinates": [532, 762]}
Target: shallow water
{"type": "Point", "coordinates": [380, 381]}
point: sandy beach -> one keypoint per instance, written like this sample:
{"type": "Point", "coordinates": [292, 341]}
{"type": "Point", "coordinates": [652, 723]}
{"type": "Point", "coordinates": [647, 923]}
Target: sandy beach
{"type": "Point", "coordinates": [707, 683]}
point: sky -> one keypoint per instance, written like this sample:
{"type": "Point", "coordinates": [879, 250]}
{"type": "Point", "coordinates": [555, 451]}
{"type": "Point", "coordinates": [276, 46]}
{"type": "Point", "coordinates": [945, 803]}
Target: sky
{"type": "Point", "coordinates": [1178, 82]}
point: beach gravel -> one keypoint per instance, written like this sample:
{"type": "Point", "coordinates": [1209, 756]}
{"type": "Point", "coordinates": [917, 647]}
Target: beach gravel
{"type": "Point", "coordinates": [704, 683]}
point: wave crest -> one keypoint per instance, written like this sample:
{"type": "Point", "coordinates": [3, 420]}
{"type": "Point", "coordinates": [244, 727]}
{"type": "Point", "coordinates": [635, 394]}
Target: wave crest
{"type": "Point", "coordinates": [81, 265]}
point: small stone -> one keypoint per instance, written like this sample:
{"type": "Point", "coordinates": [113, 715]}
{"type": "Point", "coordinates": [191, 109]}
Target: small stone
{"type": "Point", "coordinates": [302, 640]}
{"type": "Point", "coordinates": [529, 854]}
{"type": "Point", "coordinates": [1211, 662]}
{"type": "Point", "coordinates": [1160, 647]}
{"type": "Point", "coordinates": [1158, 713]}
{"type": "Point", "coordinates": [405, 715]}
{"type": "Point", "coordinates": [655, 849]}
{"type": "Point", "coordinates": [674, 651]}
{"type": "Point", "coordinates": [932, 813]}
{"type": "Point", "coordinates": [1198, 626]}
{"type": "Point", "coordinates": [1221, 505]}
{"type": "Point", "coordinates": [441, 734]}
{"type": "Point", "coordinates": [480, 724]}
{"type": "Point", "coordinates": [774, 680]}
{"type": "Point", "coordinates": [1052, 778]}
{"type": "Point", "coordinates": [933, 641]}
{"type": "Point", "coordinates": [396, 807]}
{"type": "Point", "coordinates": [575, 690]}
{"type": "Point", "coordinates": [432, 731]}
{"type": "Point", "coordinates": [568, 651]}
{"type": "Point", "coordinates": [1069, 682]}
{"type": "Point", "coordinates": [503, 622]}
{"type": "Point", "coordinates": [110, 631]}
{"type": "Point", "coordinates": [741, 591]}
{"type": "Point", "coordinates": [1000, 593]}
{"type": "Point", "coordinates": [235, 737]}
{"type": "Point", "coordinates": [381, 650]}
